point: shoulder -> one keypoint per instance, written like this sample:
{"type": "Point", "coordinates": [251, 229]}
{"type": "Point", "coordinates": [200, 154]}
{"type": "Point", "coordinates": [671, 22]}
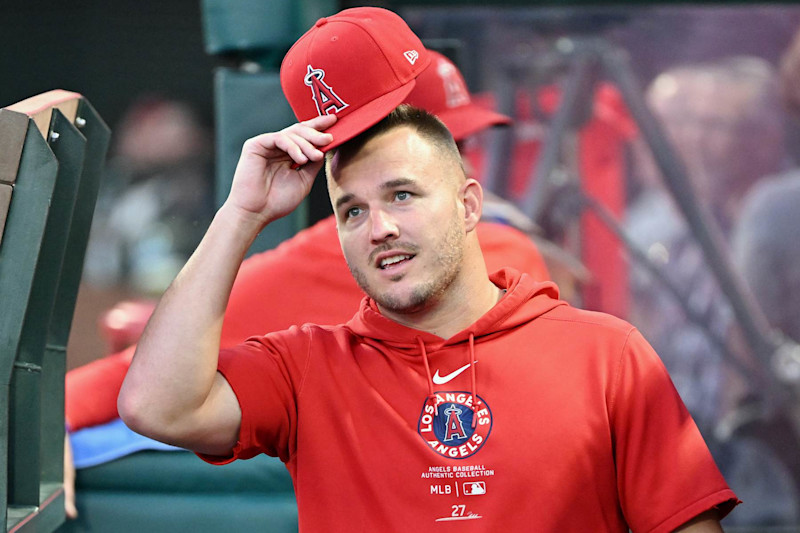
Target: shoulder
{"type": "Point", "coordinates": [306, 334]}
{"type": "Point", "coordinates": [293, 349]}
{"type": "Point", "coordinates": [598, 336]}
{"type": "Point", "coordinates": [581, 319]}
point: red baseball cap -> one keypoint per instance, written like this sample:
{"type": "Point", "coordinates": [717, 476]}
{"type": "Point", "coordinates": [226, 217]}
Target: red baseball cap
{"type": "Point", "coordinates": [441, 90]}
{"type": "Point", "coordinates": [359, 63]}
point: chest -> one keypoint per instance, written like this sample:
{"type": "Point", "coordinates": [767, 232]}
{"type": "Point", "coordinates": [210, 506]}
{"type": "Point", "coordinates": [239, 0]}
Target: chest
{"type": "Point", "coordinates": [508, 394]}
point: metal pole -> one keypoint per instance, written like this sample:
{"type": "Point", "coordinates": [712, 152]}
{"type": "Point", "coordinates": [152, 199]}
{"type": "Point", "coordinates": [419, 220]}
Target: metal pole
{"type": "Point", "coordinates": [538, 192]}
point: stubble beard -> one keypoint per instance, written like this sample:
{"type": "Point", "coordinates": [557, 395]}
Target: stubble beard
{"type": "Point", "coordinates": [447, 267]}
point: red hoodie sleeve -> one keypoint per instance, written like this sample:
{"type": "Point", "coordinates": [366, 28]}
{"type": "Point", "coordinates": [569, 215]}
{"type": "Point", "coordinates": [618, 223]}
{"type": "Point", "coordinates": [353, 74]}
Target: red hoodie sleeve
{"type": "Point", "coordinates": [266, 374]}
{"type": "Point", "coordinates": [653, 432]}
{"type": "Point", "coordinates": [91, 390]}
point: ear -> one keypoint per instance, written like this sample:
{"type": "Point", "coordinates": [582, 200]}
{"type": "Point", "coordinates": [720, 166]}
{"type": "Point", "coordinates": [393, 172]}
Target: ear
{"type": "Point", "coordinates": [471, 194]}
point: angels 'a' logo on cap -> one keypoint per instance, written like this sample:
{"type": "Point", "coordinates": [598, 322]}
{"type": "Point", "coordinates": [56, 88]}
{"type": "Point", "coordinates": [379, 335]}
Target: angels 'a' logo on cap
{"type": "Point", "coordinates": [325, 98]}
{"type": "Point", "coordinates": [455, 91]}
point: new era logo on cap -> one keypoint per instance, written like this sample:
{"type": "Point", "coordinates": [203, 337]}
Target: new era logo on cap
{"type": "Point", "coordinates": [411, 55]}
{"type": "Point", "coordinates": [359, 64]}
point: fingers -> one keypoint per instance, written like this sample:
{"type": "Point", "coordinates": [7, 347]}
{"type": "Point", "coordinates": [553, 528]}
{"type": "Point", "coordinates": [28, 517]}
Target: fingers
{"type": "Point", "coordinates": [70, 510]}
{"type": "Point", "coordinates": [307, 136]}
{"type": "Point", "coordinates": [321, 122]}
{"type": "Point", "coordinates": [302, 146]}
{"type": "Point", "coordinates": [301, 142]}
{"type": "Point", "coordinates": [69, 481]}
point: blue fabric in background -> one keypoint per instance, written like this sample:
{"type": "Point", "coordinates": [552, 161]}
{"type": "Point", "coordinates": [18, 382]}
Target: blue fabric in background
{"type": "Point", "coordinates": [100, 444]}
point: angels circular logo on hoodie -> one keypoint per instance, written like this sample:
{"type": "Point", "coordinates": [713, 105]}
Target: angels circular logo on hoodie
{"type": "Point", "coordinates": [451, 427]}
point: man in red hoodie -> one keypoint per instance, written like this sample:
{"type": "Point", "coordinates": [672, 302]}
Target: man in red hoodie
{"type": "Point", "coordinates": [388, 422]}
{"type": "Point", "coordinates": [324, 291]}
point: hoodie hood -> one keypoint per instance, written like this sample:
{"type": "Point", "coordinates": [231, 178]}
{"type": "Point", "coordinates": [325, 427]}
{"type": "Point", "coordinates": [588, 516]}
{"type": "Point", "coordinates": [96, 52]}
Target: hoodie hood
{"type": "Point", "coordinates": [525, 300]}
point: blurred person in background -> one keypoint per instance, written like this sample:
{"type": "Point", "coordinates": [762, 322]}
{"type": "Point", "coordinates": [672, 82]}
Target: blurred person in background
{"type": "Point", "coordinates": [767, 254]}
{"type": "Point", "coordinates": [725, 121]}
{"type": "Point", "coordinates": [155, 200]}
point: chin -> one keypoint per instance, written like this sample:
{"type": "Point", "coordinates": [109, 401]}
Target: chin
{"type": "Point", "coordinates": [399, 306]}
{"type": "Point", "coordinates": [404, 301]}
{"type": "Point", "coordinates": [397, 295]}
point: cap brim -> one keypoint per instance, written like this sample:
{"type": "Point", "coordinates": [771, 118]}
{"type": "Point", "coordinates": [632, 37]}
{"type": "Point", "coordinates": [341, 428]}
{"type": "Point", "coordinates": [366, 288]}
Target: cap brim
{"type": "Point", "coordinates": [366, 116]}
{"type": "Point", "coordinates": [470, 119]}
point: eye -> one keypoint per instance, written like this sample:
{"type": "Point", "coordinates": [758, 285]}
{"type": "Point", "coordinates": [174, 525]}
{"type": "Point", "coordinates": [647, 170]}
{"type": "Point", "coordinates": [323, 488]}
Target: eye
{"type": "Point", "coordinates": [352, 212]}
{"type": "Point", "coordinates": [402, 195]}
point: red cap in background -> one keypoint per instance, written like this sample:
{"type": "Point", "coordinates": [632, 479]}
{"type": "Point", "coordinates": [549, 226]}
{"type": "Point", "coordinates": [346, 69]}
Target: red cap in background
{"type": "Point", "coordinates": [441, 90]}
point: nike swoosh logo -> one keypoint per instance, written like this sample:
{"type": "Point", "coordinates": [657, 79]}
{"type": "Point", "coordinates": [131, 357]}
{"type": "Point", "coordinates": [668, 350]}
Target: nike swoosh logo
{"type": "Point", "coordinates": [441, 380]}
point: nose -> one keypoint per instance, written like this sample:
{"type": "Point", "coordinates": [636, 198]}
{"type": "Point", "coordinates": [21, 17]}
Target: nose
{"type": "Point", "coordinates": [382, 226]}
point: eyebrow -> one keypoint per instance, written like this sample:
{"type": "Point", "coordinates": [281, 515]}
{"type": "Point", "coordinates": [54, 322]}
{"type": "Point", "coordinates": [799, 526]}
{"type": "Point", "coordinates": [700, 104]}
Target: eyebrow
{"type": "Point", "coordinates": [343, 200]}
{"type": "Point", "coordinates": [391, 184]}
{"type": "Point", "coordinates": [399, 182]}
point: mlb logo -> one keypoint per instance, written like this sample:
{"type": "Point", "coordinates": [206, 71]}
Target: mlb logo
{"type": "Point", "coordinates": [474, 488]}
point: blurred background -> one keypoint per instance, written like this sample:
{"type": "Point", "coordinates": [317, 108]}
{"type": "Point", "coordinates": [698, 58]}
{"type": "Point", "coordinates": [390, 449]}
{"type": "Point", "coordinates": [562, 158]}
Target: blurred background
{"type": "Point", "coordinates": [122, 57]}
{"type": "Point", "coordinates": [693, 242]}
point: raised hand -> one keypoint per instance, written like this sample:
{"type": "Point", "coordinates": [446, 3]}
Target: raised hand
{"type": "Point", "coordinates": [265, 185]}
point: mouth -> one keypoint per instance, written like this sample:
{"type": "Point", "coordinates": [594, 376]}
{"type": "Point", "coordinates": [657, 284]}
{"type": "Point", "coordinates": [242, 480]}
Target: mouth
{"type": "Point", "coordinates": [394, 261]}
